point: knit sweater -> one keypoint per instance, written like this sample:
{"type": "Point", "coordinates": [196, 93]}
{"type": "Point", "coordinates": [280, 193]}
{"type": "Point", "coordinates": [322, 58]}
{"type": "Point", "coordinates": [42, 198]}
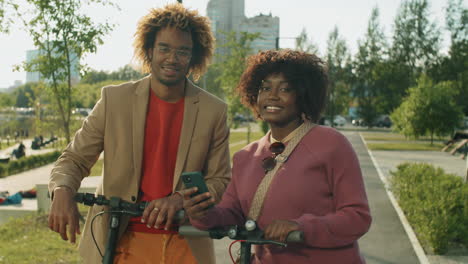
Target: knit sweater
{"type": "Point", "coordinates": [320, 187]}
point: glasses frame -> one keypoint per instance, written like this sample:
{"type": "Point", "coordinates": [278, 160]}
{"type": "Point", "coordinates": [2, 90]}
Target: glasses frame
{"type": "Point", "coordinates": [181, 54]}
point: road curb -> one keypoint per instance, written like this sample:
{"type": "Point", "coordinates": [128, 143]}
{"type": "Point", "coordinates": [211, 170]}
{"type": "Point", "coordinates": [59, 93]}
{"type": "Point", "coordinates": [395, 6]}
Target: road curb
{"type": "Point", "coordinates": [408, 229]}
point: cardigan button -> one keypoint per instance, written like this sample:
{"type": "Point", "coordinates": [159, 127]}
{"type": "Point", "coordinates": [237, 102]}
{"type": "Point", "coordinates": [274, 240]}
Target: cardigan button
{"type": "Point", "coordinates": [133, 198]}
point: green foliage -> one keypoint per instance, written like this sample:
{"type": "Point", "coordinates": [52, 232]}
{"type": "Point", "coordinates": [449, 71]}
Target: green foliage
{"type": "Point", "coordinates": [303, 43]}
{"type": "Point", "coordinates": [6, 100]}
{"type": "Point", "coordinates": [231, 68]}
{"type": "Point", "coordinates": [416, 39]}
{"type": "Point", "coordinates": [367, 66]}
{"type": "Point", "coordinates": [399, 146]}
{"type": "Point", "coordinates": [4, 20]}
{"type": "Point", "coordinates": [454, 66]}
{"type": "Point", "coordinates": [264, 126]}
{"type": "Point", "coordinates": [435, 204]}
{"type": "Point", "coordinates": [211, 82]}
{"type": "Point", "coordinates": [428, 110]}
{"type": "Point", "coordinates": [125, 73]}
{"type": "Point", "coordinates": [29, 240]}
{"type": "Point", "coordinates": [27, 163]}
{"type": "Point", "coordinates": [87, 94]}
{"type": "Point", "coordinates": [415, 46]}
{"type": "Point", "coordinates": [63, 34]}
{"type": "Point", "coordinates": [339, 70]}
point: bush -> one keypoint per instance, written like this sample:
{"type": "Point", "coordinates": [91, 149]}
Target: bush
{"type": "Point", "coordinates": [27, 163]}
{"type": "Point", "coordinates": [434, 202]}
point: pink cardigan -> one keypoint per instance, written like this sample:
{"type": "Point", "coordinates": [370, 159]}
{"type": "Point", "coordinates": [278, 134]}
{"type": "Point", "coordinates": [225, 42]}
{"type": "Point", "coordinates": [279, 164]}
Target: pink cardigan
{"type": "Point", "coordinates": [320, 187]}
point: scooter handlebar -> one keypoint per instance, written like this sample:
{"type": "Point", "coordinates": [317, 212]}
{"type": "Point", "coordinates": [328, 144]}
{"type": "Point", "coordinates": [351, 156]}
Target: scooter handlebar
{"type": "Point", "coordinates": [293, 237]}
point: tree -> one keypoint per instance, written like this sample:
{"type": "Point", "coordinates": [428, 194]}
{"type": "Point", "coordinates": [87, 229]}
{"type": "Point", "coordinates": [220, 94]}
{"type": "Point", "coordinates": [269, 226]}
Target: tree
{"type": "Point", "coordinates": [454, 66]}
{"type": "Point", "coordinates": [367, 71]}
{"type": "Point", "coordinates": [339, 70]}
{"type": "Point", "coordinates": [232, 66]}
{"type": "Point", "coordinates": [6, 100]}
{"type": "Point", "coordinates": [429, 109]}
{"type": "Point", "coordinates": [416, 40]}
{"type": "Point", "coordinates": [415, 47]}
{"type": "Point", "coordinates": [62, 33]}
{"type": "Point", "coordinates": [211, 82]}
{"type": "Point", "coordinates": [125, 73]}
{"type": "Point", "coordinates": [303, 43]}
{"type": "Point", "coordinates": [5, 21]}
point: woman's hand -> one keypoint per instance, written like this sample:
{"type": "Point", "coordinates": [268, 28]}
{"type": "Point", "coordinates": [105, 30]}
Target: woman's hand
{"type": "Point", "coordinates": [195, 207]}
{"type": "Point", "coordinates": [278, 230]}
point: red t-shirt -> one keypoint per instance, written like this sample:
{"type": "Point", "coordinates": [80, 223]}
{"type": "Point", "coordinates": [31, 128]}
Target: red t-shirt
{"type": "Point", "coordinates": [162, 134]}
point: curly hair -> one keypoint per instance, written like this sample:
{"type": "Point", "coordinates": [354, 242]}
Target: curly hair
{"type": "Point", "coordinates": [306, 72]}
{"type": "Point", "coordinates": [175, 15]}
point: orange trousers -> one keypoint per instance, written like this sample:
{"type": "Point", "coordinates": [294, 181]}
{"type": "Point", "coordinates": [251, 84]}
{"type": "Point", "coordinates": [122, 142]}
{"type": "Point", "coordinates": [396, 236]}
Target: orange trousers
{"type": "Point", "coordinates": [147, 248]}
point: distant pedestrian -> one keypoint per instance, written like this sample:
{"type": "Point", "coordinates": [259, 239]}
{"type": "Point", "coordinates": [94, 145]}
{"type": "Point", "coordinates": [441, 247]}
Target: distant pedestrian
{"type": "Point", "coordinates": [20, 151]}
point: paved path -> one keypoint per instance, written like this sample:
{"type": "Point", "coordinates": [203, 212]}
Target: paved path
{"type": "Point", "coordinates": [386, 242]}
{"type": "Point", "coordinates": [388, 161]}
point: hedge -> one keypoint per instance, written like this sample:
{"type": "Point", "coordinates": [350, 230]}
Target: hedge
{"type": "Point", "coordinates": [27, 163]}
{"type": "Point", "coordinates": [435, 203]}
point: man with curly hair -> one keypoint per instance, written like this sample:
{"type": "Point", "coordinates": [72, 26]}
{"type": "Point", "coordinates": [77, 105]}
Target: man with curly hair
{"type": "Point", "coordinates": [151, 131]}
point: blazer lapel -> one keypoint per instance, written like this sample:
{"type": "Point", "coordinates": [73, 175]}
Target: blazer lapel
{"type": "Point", "coordinates": [140, 105]}
{"type": "Point", "coordinates": [188, 125]}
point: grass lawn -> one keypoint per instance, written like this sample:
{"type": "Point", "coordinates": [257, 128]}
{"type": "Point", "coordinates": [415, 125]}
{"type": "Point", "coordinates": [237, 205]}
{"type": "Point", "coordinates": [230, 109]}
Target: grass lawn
{"type": "Point", "coordinates": [394, 141]}
{"type": "Point", "coordinates": [239, 136]}
{"type": "Point", "coordinates": [405, 146]}
{"type": "Point", "coordinates": [4, 144]}
{"type": "Point", "coordinates": [29, 240]}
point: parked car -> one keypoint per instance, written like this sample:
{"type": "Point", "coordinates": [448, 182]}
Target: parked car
{"type": "Point", "coordinates": [339, 121]}
{"type": "Point", "coordinates": [383, 121]}
{"type": "Point", "coordinates": [242, 118]}
{"type": "Point", "coordinates": [357, 122]}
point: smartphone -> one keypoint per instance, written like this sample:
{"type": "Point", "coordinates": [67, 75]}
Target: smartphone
{"type": "Point", "coordinates": [194, 179]}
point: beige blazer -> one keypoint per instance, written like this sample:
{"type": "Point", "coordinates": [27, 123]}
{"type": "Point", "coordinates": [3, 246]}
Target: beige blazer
{"type": "Point", "coordinates": [116, 126]}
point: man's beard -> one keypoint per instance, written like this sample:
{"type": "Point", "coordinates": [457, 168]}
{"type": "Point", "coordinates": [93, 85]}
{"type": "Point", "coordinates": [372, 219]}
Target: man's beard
{"type": "Point", "coordinates": [171, 82]}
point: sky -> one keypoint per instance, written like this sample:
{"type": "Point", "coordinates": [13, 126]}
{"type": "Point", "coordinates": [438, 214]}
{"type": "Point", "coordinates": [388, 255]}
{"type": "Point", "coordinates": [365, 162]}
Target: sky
{"type": "Point", "coordinates": [317, 17]}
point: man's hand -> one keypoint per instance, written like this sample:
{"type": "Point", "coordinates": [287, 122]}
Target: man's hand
{"type": "Point", "coordinates": [278, 230]}
{"type": "Point", "coordinates": [162, 210]}
{"type": "Point", "coordinates": [64, 214]}
{"type": "Point", "coordinates": [195, 207]}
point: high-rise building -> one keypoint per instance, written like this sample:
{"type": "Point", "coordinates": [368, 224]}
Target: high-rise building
{"type": "Point", "coordinates": [32, 76]}
{"type": "Point", "coordinates": [267, 26]}
{"type": "Point", "coordinates": [36, 76]}
{"type": "Point", "coordinates": [225, 16]}
{"type": "Point", "coordinates": [228, 15]}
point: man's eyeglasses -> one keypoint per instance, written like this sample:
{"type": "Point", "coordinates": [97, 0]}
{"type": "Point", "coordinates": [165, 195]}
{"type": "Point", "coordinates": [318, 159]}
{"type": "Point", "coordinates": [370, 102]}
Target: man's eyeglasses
{"type": "Point", "coordinates": [181, 54]}
{"type": "Point", "coordinates": [269, 163]}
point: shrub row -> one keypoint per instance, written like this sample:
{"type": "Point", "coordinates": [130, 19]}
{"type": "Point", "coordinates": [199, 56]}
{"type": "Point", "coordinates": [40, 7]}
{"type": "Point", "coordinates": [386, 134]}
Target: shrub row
{"type": "Point", "coordinates": [27, 163]}
{"type": "Point", "coordinates": [435, 203]}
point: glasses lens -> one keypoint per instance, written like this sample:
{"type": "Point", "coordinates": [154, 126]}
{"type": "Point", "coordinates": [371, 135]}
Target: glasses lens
{"type": "Point", "coordinates": [268, 163]}
{"type": "Point", "coordinates": [277, 148]}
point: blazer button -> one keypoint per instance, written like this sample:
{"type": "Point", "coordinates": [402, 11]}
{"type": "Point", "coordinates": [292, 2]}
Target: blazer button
{"type": "Point", "coordinates": [133, 198]}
